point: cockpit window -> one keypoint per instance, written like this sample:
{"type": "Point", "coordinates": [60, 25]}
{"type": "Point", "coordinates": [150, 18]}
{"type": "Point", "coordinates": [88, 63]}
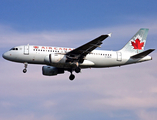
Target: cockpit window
{"type": "Point", "coordinates": [11, 49]}
{"type": "Point", "coordinates": [14, 49]}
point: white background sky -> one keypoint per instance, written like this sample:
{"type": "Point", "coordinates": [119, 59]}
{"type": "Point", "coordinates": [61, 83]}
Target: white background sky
{"type": "Point", "coordinates": [120, 93]}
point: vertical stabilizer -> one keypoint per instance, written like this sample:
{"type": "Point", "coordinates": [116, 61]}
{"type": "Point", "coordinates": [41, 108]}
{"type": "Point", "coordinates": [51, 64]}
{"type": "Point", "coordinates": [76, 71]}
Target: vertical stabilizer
{"type": "Point", "coordinates": [137, 42]}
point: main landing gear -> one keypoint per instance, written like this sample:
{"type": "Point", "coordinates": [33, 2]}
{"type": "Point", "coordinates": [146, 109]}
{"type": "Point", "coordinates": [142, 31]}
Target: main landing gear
{"type": "Point", "coordinates": [77, 70]}
{"type": "Point", "coordinates": [25, 69]}
{"type": "Point", "coordinates": [72, 76]}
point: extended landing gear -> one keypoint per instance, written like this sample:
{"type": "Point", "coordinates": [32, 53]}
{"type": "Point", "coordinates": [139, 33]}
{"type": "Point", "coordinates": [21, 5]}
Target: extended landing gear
{"type": "Point", "coordinates": [72, 76]}
{"type": "Point", "coordinates": [77, 70]}
{"type": "Point", "coordinates": [25, 69]}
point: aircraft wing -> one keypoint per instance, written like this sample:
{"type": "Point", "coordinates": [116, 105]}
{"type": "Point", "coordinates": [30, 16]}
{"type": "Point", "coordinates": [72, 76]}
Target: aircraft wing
{"type": "Point", "coordinates": [79, 53]}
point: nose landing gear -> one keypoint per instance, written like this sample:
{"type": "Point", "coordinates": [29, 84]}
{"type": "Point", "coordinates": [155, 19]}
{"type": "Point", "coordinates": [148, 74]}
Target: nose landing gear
{"type": "Point", "coordinates": [25, 69]}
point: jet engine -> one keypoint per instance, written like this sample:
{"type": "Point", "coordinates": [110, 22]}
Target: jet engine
{"type": "Point", "coordinates": [55, 58]}
{"type": "Point", "coordinates": [51, 71]}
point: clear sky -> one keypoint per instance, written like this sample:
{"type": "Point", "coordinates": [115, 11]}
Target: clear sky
{"type": "Point", "coordinates": [128, 92]}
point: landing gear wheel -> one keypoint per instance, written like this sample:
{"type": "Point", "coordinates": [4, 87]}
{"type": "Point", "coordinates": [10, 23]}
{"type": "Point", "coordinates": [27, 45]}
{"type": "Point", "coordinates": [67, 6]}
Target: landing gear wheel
{"type": "Point", "coordinates": [25, 65]}
{"type": "Point", "coordinates": [24, 70]}
{"type": "Point", "coordinates": [72, 77]}
{"type": "Point", "coordinates": [77, 70]}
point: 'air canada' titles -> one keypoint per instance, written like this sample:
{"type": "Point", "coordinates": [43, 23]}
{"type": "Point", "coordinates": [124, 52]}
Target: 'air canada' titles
{"type": "Point", "coordinates": [52, 48]}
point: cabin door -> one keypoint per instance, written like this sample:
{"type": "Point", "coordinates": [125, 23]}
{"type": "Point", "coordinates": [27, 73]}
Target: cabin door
{"type": "Point", "coordinates": [119, 56]}
{"type": "Point", "coordinates": [26, 49]}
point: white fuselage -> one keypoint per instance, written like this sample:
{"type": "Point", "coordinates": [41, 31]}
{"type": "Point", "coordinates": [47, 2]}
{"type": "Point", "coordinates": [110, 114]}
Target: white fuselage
{"type": "Point", "coordinates": [97, 58]}
{"type": "Point", "coordinates": [59, 59]}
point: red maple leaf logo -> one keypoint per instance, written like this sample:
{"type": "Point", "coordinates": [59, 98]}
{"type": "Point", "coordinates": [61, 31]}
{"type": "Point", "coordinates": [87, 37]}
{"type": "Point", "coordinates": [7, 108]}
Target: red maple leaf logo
{"type": "Point", "coordinates": [137, 44]}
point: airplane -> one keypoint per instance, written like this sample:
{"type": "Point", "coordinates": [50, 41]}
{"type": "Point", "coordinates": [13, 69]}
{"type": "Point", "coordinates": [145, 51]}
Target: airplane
{"type": "Point", "coordinates": [57, 60]}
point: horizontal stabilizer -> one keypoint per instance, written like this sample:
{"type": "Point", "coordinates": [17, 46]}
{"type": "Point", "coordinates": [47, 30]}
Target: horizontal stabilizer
{"type": "Point", "coordinates": [142, 54]}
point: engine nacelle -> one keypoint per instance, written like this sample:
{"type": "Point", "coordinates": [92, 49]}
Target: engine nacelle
{"type": "Point", "coordinates": [55, 58]}
{"type": "Point", "coordinates": [51, 71]}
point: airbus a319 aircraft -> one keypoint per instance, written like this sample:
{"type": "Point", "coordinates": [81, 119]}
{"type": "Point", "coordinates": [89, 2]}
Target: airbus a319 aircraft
{"type": "Point", "coordinates": [57, 60]}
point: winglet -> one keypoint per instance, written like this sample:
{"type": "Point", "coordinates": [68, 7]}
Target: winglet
{"type": "Point", "coordinates": [109, 34]}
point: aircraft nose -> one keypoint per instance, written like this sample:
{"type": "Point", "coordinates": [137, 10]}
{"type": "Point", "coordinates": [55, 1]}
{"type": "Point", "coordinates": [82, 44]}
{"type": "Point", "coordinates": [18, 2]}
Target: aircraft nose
{"type": "Point", "coordinates": [5, 55]}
